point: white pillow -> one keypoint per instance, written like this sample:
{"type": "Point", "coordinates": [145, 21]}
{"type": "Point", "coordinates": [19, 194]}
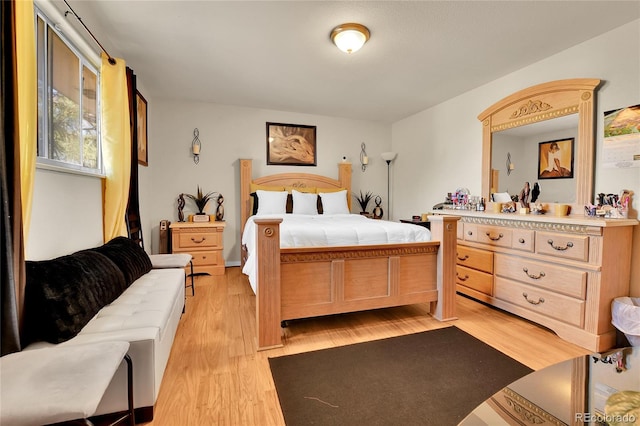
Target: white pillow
{"type": "Point", "coordinates": [501, 197]}
{"type": "Point", "coordinates": [334, 202]}
{"type": "Point", "coordinates": [271, 202]}
{"type": "Point", "coordinates": [304, 203]}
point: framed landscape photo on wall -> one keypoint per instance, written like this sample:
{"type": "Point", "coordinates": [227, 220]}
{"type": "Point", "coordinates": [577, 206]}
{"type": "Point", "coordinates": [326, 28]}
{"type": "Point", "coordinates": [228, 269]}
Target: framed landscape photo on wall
{"type": "Point", "coordinates": [291, 144]}
{"type": "Point", "coordinates": [555, 159]}
{"type": "Point", "coordinates": [141, 129]}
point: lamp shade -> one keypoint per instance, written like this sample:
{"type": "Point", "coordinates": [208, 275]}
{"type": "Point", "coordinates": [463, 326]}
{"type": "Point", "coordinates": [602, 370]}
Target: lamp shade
{"type": "Point", "coordinates": [350, 37]}
{"type": "Point", "coordinates": [388, 156]}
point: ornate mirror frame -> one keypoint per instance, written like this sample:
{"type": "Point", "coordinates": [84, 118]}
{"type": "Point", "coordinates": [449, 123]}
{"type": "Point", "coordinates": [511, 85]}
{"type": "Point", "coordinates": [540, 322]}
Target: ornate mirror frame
{"type": "Point", "coordinates": [545, 102]}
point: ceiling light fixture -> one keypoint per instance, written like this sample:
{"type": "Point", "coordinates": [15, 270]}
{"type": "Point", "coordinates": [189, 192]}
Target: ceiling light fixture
{"type": "Point", "coordinates": [350, 37]}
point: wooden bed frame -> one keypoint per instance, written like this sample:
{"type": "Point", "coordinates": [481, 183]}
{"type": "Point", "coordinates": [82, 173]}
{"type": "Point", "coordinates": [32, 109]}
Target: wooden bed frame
{"type": "Point", "coordinates": [314, 281]}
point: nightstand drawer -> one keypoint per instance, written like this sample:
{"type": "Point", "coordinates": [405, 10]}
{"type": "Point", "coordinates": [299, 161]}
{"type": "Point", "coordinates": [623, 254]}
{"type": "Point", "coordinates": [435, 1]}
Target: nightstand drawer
{"type": "Point", "coordinates": [197, 240]}
{"type": "Point", "coordinates": [474, 258]}
{"type": "Point", "coordinates": [571, 282]}
{"type": "Point", "coordinates": [207, 258]}
{"type": "Point", "coordinates": [558, 306]}
{"type": "Point", "coordinates": [563, 245]}
{"type": "Point", "coordinates": [476, 280]}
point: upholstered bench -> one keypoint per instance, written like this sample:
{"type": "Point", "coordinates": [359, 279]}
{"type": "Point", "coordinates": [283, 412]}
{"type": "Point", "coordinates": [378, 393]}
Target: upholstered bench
{"type": "Point", "coordinates": [106, 294]}
{"type": "Point", "coordinates": [60, 383]}
{"type": "Point", "coordinates": [175, 260]}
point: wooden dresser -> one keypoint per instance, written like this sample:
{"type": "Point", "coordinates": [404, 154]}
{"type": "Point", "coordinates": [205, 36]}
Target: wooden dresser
{"type": "Point", "coordinates": [560, 272]}
{"type": "Point", "coordinates": [204, 241]}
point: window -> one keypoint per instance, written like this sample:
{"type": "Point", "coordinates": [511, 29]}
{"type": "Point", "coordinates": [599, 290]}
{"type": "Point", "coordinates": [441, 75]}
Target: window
{"type": "Point", "coordinates": [68, 108]}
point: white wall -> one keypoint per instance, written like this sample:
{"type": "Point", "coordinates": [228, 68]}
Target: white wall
{"type": "Point", "coordinates": [66, 214]}
{"type": "Point", "coordinates": [439, 149]}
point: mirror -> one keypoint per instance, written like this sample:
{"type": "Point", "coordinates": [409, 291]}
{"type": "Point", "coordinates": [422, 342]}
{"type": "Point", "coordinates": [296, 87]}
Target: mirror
{"type": "Point", "coordinates": [564, 108]}
{"type": "Point", "coordinates": [515, 159]}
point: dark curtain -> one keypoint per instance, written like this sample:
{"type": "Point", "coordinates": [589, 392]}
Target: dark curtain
{"type": "Point", "coordinates": [12, 248]}
{"type": "Point", "coordinates": [134, 223]}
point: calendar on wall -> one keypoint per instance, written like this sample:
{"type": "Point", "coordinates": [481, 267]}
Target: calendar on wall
{"type": "Point", "coordinates": [621, 147]}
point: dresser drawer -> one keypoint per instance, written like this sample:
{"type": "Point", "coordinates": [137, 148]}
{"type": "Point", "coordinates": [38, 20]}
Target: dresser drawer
{"type": "Point", "coordinates": [474, 258]}
{"type": "Point", "coordinates": [553, 305]}
{"type": "Point", "coordinates": [192, 240]}
{"type": "Point", "coordinates": [495, 235]}
{"type": "Point", "coordinates": [470, 232]}
{"type": "Point", "coordinates": [207, 258]}
{"type": "Point", "coordinates": [523, 239]}
{"type": "Point", "coordinates": [570, 282]}
{"type": "Point", "coordinates": [476, 280]}
{"type": "Point", "coordinates": [566, 246]}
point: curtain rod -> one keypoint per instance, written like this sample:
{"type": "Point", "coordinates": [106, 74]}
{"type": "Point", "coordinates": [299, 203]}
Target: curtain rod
{"type": "Point", "coordinates": [112, 60]}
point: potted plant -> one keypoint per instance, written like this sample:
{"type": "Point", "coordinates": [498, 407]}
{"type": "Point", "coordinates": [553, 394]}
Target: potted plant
{"type": "Point", "coordinates": [363, 200]}
{"type": "Point", "coordinates": [201, 200]}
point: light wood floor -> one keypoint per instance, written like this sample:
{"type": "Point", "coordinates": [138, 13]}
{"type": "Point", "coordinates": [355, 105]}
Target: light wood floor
{"type": "Point", "coordinates": [216, 377]}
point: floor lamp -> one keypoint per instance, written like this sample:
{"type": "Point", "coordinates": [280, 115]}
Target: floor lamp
{"type": "Point", "coordinates": [388, 157]}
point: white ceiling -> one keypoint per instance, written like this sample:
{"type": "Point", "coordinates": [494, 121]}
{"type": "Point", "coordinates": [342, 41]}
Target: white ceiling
{"type": "Point", "coordinates": [277, 54]}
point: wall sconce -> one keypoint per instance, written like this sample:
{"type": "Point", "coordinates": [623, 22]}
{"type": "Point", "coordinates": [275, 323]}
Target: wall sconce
{"type": "Point", "coordinates": [364, 160]}
{"type": "Point", "coordinates": [510, 166]}
{"type": "Point", "coordinates": [195, 146]}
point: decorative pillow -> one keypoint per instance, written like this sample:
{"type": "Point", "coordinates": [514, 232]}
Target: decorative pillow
{"type": "Point", "coordinates": [334, 202]}
{"type": "Point", "coordinates": [271, 202]}
{"type": "Point", "coordinates": [304, 203]}
{"type": "Point", "coordinates": [132, 260]}
{"type": "Point", "coordinates": [63, 294]}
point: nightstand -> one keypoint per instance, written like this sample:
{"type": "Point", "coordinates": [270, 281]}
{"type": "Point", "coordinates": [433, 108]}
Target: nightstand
{"type": "Point", "coordinates": [204, 241]}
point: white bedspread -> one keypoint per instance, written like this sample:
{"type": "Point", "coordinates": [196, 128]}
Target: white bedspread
{"type": "Point", "coordinates": [330, 230]}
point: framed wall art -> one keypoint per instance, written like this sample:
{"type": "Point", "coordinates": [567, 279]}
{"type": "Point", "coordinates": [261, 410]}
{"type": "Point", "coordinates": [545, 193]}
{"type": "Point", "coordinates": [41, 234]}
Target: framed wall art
{"type": "Point", "coordinates": [141, 129]}
{"type": "Point", "coordinates": [291, 144]}
{"type": "Point", "coordinates": [555, 159]}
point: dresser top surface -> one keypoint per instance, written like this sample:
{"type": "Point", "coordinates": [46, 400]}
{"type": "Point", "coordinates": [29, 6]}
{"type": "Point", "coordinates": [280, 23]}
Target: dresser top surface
{"type": "Point", "coordinates": [544, 218]}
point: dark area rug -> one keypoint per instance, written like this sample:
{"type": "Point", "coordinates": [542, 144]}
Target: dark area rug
{"type": "Point", "coordinates": [431, 378]}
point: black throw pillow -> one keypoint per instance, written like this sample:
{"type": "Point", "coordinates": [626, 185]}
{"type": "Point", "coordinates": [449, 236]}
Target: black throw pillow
{"type": "Point", "coordinates": [63, 294]}
{"type": "Point", "coordinates": [132, 260]}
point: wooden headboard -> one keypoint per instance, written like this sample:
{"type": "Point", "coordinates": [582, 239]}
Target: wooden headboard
{"type": "Point", "coordinates": [300, 180]}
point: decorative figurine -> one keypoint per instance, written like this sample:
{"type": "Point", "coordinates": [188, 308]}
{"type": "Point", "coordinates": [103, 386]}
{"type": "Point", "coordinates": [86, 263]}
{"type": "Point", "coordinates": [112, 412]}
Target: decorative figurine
{"type": "Point", "coordinates": [220, 208]}
{"type": "Point", "coordinates": [524, 195]}
{"type": "Point", "coordinates": [377, 210]}
{"type": "Point", "coordinates": [535, 192]}
{"type": "Point", "coordinates": [180, 207]}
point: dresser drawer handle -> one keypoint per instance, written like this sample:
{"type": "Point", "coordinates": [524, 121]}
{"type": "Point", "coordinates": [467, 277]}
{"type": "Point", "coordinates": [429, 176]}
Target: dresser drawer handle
{"type": "Point", "coordinates": [463, 258]}
{"type": "Point", "coordinates": [559, 248]}
{"type": "Point", "coordinates": [521, 240]}
{"type": "Point", "coordinates": [198, 241]}
{"type": "Point", "coordinates": [533, 302]}
{"type": "Point", "coordinates": [535, 277]}
{"type": "Point", "coordinates": [469, 232]}
{"type": "Point", "coordinates": [494, 238]}
{"type": "Point", "coordinates": [466, 277]}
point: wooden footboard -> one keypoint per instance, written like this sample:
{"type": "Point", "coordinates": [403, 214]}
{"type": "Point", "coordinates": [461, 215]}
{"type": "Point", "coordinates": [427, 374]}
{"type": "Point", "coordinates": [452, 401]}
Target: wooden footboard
{"type": "Point", "coordinates": [314, 281]}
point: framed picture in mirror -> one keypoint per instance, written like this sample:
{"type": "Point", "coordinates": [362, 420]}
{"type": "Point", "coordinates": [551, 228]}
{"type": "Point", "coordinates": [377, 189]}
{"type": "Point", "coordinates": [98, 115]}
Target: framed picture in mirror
{"type": "Point", "coordinates": [555, 159]}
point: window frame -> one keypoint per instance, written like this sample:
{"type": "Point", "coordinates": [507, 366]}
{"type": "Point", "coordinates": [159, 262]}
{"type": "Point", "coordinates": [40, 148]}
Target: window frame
{"type": "Point", "coordinates": [87, 58]}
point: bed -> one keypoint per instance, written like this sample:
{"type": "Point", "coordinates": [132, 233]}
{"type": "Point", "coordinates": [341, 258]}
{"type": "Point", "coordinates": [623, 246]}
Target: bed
{"type": "Point", "coordinates": [310, 281]}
